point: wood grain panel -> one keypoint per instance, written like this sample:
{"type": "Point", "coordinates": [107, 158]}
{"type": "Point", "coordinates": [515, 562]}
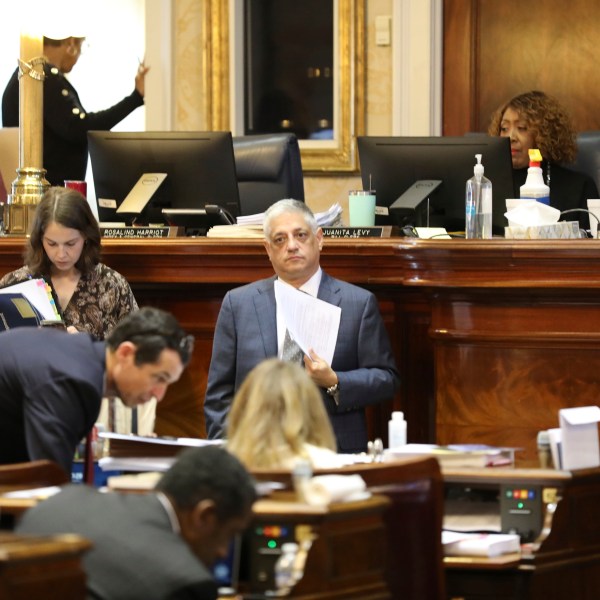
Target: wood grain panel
{"type": "Point", "coordinates": [496, 50]}
{"type": "Point", "coordinates": [515, 329]}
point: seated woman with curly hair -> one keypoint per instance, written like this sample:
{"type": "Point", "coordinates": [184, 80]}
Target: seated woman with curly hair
{"type": "Point", "coordinates": [536, 120]}
{"type": "Point", "coordinates": [277, 418]}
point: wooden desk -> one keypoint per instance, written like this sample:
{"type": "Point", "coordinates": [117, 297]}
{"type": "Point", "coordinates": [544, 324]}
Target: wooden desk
{"type": "Point", "coordinates": [346, 557]}
{"type": "Point", "coordinates": [42, 567]}
{"type": "Point", "coordinates": [491, 337]}
{"type": "Point", "coordinates": [564, 562]}
{"type": "Point", "coordinates": [413, 521]}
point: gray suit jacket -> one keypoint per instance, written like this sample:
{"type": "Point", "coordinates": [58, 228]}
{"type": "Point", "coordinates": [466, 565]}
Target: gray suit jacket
{"type": "Point", "coordinates": [135, 554]}
{"type": "Point", "coordinates": [246, 334]}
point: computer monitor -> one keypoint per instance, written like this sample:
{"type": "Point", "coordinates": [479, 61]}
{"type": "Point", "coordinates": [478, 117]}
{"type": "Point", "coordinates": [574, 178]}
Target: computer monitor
{"type": "Point", "coordinates": [200, 169]}
{"type": "Point", "coordinates": [391, 165]}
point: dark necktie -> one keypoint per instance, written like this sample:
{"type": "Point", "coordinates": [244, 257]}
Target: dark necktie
{"type": "Point", "coordinates": [291, 350]}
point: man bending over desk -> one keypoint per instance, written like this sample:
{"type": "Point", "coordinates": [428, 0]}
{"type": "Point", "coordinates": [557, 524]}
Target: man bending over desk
{"type": "Point", "coordinates": [52, 382]}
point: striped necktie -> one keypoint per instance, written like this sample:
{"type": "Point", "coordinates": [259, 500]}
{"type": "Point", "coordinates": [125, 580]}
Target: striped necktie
{"type": "Point", "coordinates": [291, 350]}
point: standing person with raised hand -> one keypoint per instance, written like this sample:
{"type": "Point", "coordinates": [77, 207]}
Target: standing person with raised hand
{"type": "Point", "coordinates": [66, 122]}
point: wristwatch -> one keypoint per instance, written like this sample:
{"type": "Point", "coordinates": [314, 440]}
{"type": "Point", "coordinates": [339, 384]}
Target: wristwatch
{"type": "Point", "coordinates": [334, 392]}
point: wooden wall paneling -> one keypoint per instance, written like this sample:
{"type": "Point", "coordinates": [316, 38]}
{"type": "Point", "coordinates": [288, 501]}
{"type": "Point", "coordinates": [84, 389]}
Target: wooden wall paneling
{"type": "Point", "coordinates": [516, 335]}
{"type": "Point", "coordinates": [459, 72]}
{"type": "Point", "coordinates": [496, 50]}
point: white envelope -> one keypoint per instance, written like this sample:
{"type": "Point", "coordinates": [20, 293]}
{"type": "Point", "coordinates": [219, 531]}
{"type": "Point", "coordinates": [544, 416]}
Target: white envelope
{"type": "Point", "coordinates": [579, 427]}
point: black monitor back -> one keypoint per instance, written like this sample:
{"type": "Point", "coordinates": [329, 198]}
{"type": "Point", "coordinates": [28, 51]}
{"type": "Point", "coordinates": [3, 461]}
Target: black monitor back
{"type": "Point", "coordinates": [391, 165]}
{"type": "Point", "coordinates": [200, 168]}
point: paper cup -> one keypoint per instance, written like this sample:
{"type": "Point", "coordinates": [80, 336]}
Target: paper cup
{"type": "Point", "coordinates": [361, 204]}
{"type": "Point", "coordinates": [80, 186]}
{"type": "Point", "coordinates": [594, 207]}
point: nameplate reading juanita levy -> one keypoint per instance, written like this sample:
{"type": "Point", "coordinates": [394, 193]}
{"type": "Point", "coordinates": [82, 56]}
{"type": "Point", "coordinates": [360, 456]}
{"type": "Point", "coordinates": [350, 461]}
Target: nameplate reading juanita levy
{"type": "Point", "coordinates": [360, 232]}
{"type": "Point", "coordinates": [138, 232]}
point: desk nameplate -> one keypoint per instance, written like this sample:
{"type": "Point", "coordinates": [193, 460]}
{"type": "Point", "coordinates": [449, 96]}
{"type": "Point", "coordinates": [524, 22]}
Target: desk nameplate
{"type": "Point", "coordinates": [383, 231]}
{"type": "Point", "coordinates": [140, 232]}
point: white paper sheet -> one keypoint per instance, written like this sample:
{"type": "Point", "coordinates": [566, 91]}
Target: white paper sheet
{"type": "Point", "coordinates": [312, 323]}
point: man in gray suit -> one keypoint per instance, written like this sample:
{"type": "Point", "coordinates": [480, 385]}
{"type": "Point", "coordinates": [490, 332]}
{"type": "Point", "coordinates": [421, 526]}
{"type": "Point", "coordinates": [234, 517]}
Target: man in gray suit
{"type": "Point", "coordinates": [161, 545]}
{"type": "Point", "coordinates": [251, 327]}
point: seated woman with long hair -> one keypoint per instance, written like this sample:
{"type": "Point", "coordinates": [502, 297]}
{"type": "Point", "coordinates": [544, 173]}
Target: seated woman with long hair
{"type": "Point", "coordinates": [277, 418]}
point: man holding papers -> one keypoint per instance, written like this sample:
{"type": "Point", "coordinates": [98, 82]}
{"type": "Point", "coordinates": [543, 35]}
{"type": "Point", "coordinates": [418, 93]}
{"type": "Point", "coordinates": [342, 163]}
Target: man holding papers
{"type": "Point", "coordinates": [336, 327]}
{"type": "Point", "coordinates": [52, 382]}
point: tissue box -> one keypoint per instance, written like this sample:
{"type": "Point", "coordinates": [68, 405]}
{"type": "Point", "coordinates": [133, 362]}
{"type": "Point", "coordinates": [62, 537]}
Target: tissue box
{"type": "Point", "coordinates": [563, 230]}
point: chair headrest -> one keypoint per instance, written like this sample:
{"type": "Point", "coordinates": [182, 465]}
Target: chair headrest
{"type": "Point", "coordinates": [262, 156]}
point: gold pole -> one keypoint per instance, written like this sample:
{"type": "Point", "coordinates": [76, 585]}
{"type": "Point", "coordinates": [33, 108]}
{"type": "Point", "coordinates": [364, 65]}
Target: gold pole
{"type": "Point", "coordinates": [30, 184]}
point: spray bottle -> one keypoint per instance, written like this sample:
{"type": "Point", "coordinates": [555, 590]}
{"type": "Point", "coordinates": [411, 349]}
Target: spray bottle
{"type": "Point", "coordinates": [534, 187]}
{"type": "Point", "coordinates": [478, 204]}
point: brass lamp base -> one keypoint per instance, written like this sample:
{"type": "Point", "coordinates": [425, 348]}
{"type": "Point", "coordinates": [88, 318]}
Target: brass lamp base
{"type": "Point", "coordinates": [27, 191]}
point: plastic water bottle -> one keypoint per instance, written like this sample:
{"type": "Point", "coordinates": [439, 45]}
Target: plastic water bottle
{"type": "Point", "coordinates": [478, 204]}
{"type": "Point", "coordinates": [397, 430]}
{"type": "Point", "coordinates": [534, 187]}
{"type": "Point", "coordinates": [285, 571]}
{"type": "Point", "coordinates": [301, 476]}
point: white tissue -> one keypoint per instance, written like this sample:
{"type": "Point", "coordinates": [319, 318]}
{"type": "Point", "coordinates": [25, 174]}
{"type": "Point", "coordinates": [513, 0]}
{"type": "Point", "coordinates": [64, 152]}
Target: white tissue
{"type": "Point", "coordinates": [530, 214]}
{"type": "Point", "coordinates": [325, 489]}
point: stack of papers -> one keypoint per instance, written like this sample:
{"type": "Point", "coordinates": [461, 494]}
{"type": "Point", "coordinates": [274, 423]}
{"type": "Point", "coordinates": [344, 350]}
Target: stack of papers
{"type": "Point", "coordinates": [479, 544]}
{"type": "Point", "coordinates": [38, 293]}
{"type": "Point", "coordinates": [456, 455]}
{"type": "Point", "coordinates": [128, 445]}
{"type": "Point", "coordinates": [311, 322]}
{"type": "Point", "coordinates": [28, 303]}
{"type": "Point", "coordinates": [329, 218]}
{"type": "Point", "coordinates": [235, 231]}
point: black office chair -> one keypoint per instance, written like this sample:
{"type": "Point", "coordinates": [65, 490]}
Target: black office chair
{"type": "Point", "coordinates": [588, 155]}
{"type": "Point", "coordinates": [268, 169]}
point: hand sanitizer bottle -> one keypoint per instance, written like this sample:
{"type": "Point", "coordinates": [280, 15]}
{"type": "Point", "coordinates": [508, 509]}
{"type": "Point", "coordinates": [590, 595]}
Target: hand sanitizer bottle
{"type": "Point", "coordinates": [397, 430]}
{"type": "Point", "coordinates": [534, 187]}
{"type": "Point", "coordinates": [478, 204]}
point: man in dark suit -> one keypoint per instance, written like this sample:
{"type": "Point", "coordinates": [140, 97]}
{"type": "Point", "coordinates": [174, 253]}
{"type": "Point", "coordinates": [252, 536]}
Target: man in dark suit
{"type": "Point", "coordinates": [251, 327]}
{"type": "Point", "coordinates": [148, 546]}
{"type": "Point", "coordinates": [52, 382]}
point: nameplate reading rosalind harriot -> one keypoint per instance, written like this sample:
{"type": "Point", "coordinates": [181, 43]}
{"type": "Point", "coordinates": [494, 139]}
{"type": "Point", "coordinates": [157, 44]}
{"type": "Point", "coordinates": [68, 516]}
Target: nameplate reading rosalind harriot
{"type": "Point", "coordinates": [360, 232]}
{"type": "Point", "coordinates": [139, 232]}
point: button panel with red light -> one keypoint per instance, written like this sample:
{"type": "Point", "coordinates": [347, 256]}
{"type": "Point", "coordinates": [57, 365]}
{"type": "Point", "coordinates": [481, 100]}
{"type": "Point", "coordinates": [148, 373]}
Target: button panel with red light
{"type": "Point", "coordinates": [521, 510]}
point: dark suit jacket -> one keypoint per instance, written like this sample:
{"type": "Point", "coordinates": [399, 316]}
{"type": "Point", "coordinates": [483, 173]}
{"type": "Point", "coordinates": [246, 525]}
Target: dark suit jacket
{"type": "Point", "coordinates": [51, 386]}
{"type": "Point", "coordinates": [135, 556]}
{"type": "Point", "coordinates": [246, 334]}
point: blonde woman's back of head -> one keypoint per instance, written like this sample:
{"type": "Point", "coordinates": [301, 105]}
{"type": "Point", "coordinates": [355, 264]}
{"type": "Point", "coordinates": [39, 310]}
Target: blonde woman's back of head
{"type": "Point", "coordinates": [275, 413]}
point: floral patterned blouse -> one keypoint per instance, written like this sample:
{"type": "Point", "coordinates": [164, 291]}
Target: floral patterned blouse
{"type": "Point", "coordinates": [100, 300]}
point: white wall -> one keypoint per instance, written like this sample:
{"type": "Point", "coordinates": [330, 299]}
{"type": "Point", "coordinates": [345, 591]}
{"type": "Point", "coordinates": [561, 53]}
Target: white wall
{"type": "Point", "coordinates": [417, 67]}
{"type": "Point", "coordinates": [105, 72]}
